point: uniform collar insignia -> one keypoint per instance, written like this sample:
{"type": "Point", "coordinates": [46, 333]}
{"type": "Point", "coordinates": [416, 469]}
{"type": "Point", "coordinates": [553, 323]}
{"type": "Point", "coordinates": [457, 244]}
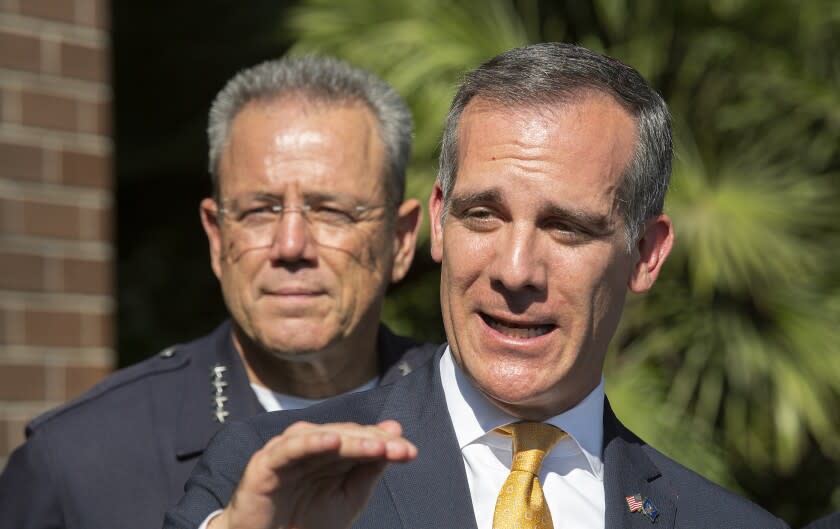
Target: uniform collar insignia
{"type": "Point", "coordinates": [218, 383]}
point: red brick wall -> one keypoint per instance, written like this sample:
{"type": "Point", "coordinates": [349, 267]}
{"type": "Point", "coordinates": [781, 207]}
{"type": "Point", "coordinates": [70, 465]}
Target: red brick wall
{"type": "Point", "coordinates": [56, 207]}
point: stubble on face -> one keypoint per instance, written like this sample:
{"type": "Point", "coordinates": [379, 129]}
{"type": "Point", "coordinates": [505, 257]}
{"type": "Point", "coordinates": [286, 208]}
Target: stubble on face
{"type": "Point", "coordinates": [533, 266]}
{"type": "Point", "coordinates": [298, 300]}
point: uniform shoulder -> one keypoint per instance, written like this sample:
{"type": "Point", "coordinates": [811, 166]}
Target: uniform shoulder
{"type": "Point", "coordinates": [400, 355]}
{"type": "Point", "coordinates": [166, 361]}
{"type": "Point", "coordinates": [831, 521]}
{"type": "Point", "coordinates": [710, 500]}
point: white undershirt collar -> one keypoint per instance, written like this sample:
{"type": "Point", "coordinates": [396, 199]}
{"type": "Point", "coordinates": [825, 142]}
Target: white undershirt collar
{"type": "Point", "coordinates": [473, 417]}
{"type": "Point", "coordinates": [272, 401]}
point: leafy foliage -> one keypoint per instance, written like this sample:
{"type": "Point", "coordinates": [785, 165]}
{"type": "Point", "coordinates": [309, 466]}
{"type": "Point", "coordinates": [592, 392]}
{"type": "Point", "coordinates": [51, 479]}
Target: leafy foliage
{"type": "Point", "coordinates": [736, 348]}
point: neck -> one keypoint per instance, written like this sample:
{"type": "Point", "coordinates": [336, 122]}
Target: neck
{"type": "Point", "coordinates": [332, 371]}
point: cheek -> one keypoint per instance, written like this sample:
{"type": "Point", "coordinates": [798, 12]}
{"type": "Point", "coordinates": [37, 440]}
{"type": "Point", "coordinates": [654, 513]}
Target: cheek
{"type": "Point", "coordinates": [586, 281]}
{"type": "Point", "coordinates": [466, 258]}
{"type": "Point", "coordinates": [607, 295]}
{"type": "Point", "coordinates": [238, 278]}
{"type": "Point", "coordinates": [371, 250]}
{"type": "Point", "coordinates": [360, 276]}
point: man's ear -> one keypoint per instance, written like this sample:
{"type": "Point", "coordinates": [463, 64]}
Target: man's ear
{"type": "Point", "coordinates": [209, 212]}
{"type": "Point", "coordinates": [409, 219]}
{"type": "Point", "coordinates": [650, 253]}
{"type": "Point", "coordinates": [436, 221]}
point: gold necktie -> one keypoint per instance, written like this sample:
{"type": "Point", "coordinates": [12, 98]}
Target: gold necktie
{"type": "Point", "coordinates": [521, 504]}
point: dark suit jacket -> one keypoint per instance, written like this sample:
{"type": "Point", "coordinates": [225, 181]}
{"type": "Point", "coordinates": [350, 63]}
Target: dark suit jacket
{"type": "Point", "coordinates": [119, 455]}
{"type": "Point", "coordinates": [832, 521]}
{"type": "Point", "coordinates": [432, 492]}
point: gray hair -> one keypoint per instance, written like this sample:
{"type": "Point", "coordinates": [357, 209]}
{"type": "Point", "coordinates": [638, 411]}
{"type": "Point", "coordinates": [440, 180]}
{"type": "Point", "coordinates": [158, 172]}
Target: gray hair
{"type": "Point", "coordinates": [551, 73]}
{"type": "Point", "coordinates": [321, 79]}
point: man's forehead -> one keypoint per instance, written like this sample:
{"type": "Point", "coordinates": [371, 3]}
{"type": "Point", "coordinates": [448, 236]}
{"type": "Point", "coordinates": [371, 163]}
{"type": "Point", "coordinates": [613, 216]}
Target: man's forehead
{"type": "Point", "coordinates": [566, 158]}
{"type": "Point", "coordinates": [592, 125]}
{"type": "Point", "coordinates": [544, 105]}
{"type": "Point", "coordinates": [348, 160]}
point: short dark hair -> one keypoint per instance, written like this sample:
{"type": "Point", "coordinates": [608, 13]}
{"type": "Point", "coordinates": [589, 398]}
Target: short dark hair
{"type": "Point", "coordinates": [551, 73]}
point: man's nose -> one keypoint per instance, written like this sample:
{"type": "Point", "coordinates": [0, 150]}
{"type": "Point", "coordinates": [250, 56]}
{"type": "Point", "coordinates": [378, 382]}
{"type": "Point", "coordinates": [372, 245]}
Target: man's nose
{"type": "Point", "coordinates": [294, 239]}
{"type": "Point", "coordinates": [519, 263]}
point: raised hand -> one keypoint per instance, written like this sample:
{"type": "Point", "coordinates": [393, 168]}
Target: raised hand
{"type": "Point", "coordinates": [314, 476]}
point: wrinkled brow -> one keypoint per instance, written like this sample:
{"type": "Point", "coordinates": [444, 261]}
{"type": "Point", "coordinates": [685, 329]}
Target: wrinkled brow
{"type": "Point", "coordinates": [463, 201]}
{"type": "Point", "coordinates": [313, 196]}
{"type": "Point", "coordinates": [597, 222]}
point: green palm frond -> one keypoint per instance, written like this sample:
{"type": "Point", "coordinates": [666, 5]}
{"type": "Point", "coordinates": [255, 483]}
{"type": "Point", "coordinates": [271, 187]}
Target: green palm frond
{"type": "Point", "coordinates": [637, 394]}
{"type": "Point", "coordinates": [744, 326]}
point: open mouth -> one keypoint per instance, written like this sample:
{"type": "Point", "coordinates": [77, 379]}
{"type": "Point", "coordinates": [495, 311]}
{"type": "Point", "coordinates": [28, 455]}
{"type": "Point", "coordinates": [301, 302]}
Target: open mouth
{"type": "Point", "coordinates": [516, 330]}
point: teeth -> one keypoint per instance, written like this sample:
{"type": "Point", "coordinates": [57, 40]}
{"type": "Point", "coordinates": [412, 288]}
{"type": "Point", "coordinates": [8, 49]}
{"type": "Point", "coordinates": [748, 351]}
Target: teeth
{"type": "Point", "coordinates": [518, 331]}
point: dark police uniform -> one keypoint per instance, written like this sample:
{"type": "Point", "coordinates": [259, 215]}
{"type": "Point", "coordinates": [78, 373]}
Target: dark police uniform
{"type": "Point", "coordinates": [119, 455]}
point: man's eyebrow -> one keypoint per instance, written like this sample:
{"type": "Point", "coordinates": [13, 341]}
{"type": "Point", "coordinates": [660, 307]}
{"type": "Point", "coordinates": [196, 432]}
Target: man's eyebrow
{"type": "Point", "coordinates": [313, 196]}
{"type": "Point", "coordinates": [598, 222]}
{"type": "Point", "coordinates": [462, 201]}
{"type": "Point", "coordinates": [265, 195]}
{"type": "Point", "coordinates": [316, 196]}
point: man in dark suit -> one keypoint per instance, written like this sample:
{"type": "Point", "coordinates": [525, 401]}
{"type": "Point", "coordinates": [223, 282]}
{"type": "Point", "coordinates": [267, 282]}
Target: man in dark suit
{"type": "Point", "coordinates": [548, 208]}
{"type": "Point", "coordinates": [307, 227]}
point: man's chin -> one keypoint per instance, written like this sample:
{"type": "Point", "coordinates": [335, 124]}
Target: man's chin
{"type": "Point", "coordinates": [520, 406]}
{"type": "Point", "coordinates": [300, 345]}
{"type": "Point", "coordinates": [295, 353]}
{"type": "Point", "coordinates": [304, 341]}
{"type": "Point", "coordinates": [519, 396]}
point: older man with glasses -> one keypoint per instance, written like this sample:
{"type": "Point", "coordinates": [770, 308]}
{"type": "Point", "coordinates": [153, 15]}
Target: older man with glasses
{"type": "Point", "coordinates": [307, 227]}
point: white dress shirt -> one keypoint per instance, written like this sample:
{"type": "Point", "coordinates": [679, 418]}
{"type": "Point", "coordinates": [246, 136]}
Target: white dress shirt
{"type": "Point", "coordinates": [571, 475]}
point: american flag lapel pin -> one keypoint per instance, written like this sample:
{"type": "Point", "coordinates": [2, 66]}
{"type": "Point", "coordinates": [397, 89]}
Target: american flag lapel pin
{"type": "Point", "coordinates": [634, 502]}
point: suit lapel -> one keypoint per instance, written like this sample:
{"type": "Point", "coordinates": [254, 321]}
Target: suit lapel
{"type": "Point", "coordinates": [198, 419]}
{"type": "Point", "coordinates": [628, 471]}
{"type": "Point", "coordinates": [432, 491]}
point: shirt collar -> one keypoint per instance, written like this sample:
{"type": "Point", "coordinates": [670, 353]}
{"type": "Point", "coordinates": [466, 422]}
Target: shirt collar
{"type": "Point", "coordinates": [273, 401]}
{"type": "Point", "coordinates": [473, 416]}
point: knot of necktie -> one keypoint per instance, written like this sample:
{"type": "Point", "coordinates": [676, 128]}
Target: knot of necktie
{"type": "Point", "coordinates": [521, 503]}
{"type": "Point", "coordinates": [531, 442]}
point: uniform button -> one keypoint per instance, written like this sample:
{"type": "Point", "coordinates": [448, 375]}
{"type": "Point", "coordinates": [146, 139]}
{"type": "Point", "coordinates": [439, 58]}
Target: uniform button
{"type": "Point", "coordinates": [169, 352]}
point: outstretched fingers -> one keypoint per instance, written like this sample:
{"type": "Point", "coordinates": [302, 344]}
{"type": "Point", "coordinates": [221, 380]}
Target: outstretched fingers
{"type": "Point", "coordinates": [305, 442]}
{"type": "Point", "coordinates": [315, 475]}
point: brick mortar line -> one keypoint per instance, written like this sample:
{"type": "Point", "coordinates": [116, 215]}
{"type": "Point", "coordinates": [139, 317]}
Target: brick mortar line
{"type": "Point", "coordinates": [87, 35]}
{"type": "Point", "coordinates": [51, 356]}
{"type": "Point", "coordinates": [56, 144]}
{"type": "Point", "coordinates": [56, 85]}
{"type": "Point", "coordinates": [54, 248]}
{"type": "Point", "coordinates": [79, 91]}
{"type": "Point", "coordinates": [16, 409]}
{"type": "Point", "coordinates": [11, 132]}
{"type": "Point", "coordinates": [57, 194]}
{"type": "Point", "coordinates": [16, 299]}
{"type": "Point", "coordinates": [58, 248]}
{"type": "Point", "coordinates": [71, 304]}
